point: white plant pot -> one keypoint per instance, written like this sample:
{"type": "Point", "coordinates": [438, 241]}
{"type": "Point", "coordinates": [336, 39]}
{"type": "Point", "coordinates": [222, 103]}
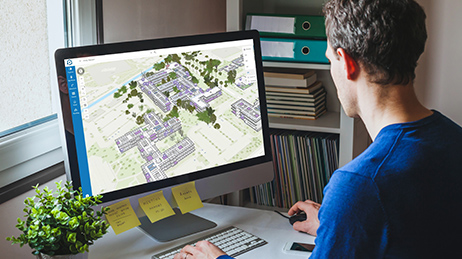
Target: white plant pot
{"type": "Point", "coordinates": [76, 256]}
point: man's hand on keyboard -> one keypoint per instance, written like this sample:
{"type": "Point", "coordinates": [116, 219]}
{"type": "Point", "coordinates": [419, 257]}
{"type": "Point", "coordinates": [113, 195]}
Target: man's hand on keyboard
{"type": "Point", "coordinates": [202, 250]}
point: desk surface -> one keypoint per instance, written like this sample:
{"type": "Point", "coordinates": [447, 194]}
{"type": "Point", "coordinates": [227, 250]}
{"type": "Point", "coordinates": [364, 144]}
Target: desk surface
{"type": "Point", "coordinates": [267, 225]}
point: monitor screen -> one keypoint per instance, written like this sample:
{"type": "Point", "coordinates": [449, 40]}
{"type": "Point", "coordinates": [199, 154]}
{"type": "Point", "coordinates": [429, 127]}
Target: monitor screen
{"type": "Point", "coordinates": [145, 115]}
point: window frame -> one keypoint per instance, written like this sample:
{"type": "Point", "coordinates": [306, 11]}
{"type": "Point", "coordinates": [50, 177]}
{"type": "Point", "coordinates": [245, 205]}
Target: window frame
{"type": "Point", "coordinates": [33, 149]}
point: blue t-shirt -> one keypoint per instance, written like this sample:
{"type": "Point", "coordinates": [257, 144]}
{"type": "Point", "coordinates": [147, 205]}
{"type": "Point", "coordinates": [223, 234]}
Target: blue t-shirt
{"type": "Point", "coordinates": [401, 198]}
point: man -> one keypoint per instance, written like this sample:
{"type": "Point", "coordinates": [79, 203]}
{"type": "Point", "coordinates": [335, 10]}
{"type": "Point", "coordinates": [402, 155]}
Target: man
{"type": "Point", "coordinates": [400, 198]}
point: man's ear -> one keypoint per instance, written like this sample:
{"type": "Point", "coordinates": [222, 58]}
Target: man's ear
{"type": "Point", "coordinates": [350, 65]}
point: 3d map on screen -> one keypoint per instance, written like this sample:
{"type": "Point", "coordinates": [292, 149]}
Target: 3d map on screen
{"type": "Point", "coordinates": [151, 117]}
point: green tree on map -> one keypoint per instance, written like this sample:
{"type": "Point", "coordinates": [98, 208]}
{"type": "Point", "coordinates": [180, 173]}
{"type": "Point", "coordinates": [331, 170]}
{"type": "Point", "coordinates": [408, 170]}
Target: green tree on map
{"type": "Point", "coordinates": [133, 84]}
{"type": "Point", "coordinates": [172, 58]}
{"type": "Point", "coordinates": [176, 58]}
{"type": "Point", "coordinates": [203, 116]}
{"type": "Point", "coordinates": [211, 65]}
{"type": "Point", "coordinates": [190, 56]}
{"type": "Point", "coordinates": [232, 76]}
{"type": "Point", "coordinates": [195, 80]}
{"type": "Point", "coordinates": [140, 120]}
{"type": "Point", "coordinates": [159, 66]}
{"type": "Point", "coordinates": [120, 92]}
{"type": "Point", "coordinates": [172, 75]}
{"type": "Point", "coordinates": [173, 113]}
{"type": "Point", "coordinates": [207, 116]}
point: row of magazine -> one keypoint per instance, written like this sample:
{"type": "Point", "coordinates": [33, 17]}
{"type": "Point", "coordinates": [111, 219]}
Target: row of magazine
{"type": "Point", "coordinates": [303, 164]}
{"type": "Point", "coordinates": [294, 93]}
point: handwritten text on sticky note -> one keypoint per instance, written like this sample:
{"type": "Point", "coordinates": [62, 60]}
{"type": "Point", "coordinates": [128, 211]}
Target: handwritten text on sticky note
{"type": "Point", "coordinates": [156, 206]}
{"type": "Point", "coordinates": [122, 217]}
{"type": "Point", "coordinates": [186, 197]}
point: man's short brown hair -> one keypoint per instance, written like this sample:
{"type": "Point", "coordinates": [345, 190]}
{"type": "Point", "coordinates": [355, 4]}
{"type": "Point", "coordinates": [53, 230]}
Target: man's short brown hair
{"type": "Point", "coordinates": [386, 37]}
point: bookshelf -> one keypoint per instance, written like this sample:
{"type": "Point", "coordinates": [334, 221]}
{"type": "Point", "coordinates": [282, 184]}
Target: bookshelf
{"type": "Point", "coordinates": [334, 121]}
{"type": "Point", "coordinates": [353, 137]}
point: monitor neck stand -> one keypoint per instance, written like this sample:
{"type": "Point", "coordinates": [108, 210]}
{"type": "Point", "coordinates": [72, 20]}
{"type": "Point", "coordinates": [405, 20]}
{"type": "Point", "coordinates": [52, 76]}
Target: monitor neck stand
{"type": "Point", "coordinates": [176, 226]}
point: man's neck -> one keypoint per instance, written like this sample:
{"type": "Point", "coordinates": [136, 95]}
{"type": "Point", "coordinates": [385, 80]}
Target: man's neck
{"type": "Point", "coordinates": [381, 106]}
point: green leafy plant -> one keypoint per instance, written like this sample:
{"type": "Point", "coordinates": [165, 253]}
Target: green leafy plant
{"type": "Point", "coordinates": [60, 223]}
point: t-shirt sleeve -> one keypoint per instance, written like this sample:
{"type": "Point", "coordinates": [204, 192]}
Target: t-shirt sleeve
{"type": "Point", "coordinates": [352, 221]}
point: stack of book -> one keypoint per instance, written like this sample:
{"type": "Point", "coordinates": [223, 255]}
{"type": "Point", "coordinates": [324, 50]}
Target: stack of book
{"type": "Point", "coordinates": [303, 164]}
{"type": "Point", "coordinates": [294, 93]}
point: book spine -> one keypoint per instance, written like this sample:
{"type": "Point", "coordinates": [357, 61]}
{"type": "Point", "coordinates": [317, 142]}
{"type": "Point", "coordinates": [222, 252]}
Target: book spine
{"type": "Point", "coordinates": [289, 82]}
{"type": "Point", "coordinates": [277, 177]}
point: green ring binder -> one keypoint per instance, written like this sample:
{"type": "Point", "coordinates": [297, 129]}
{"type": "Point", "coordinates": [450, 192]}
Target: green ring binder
{"type": "Point", "coordinates": [294, 50]}
{"type": "Point", "coordinates": [287, 26]}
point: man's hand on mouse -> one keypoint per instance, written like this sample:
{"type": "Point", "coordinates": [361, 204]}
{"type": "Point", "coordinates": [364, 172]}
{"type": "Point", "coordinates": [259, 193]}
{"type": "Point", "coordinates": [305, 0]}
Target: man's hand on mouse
{"type": "Point", "coordinates": [311, 224]}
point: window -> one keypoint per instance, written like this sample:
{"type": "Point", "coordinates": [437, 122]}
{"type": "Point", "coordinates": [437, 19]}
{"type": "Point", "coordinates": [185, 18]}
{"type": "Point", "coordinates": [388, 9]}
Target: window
{"type": "Point", "coordinates": [31, 32]}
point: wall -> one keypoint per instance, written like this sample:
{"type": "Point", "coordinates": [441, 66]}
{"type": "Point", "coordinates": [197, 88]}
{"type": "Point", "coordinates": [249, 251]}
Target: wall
{"type": "Point", "coordinates": [311, 7]}
{"type": "Point", "coordinates": [144, 19]}
{"type": "Point", "coordinates": [25, 93]}
{"type": "Point", "coordinates": [439, 73]}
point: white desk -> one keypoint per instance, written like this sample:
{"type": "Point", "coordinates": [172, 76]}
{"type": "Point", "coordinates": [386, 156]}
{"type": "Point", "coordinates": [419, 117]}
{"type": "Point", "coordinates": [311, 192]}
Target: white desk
{"type": "Point", "coordinates": [267, 225]}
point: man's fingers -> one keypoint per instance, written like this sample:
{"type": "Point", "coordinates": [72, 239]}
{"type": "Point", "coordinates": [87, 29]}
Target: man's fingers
{"type": "Point", "coordinates": [296, 208]}
{"type": "Point", "coordinates": [312, 202]}
{"type": "Point", "coordinates": [203, 243]}
{"type": "Point", "coordinates": [305, 227]}
{"type": "Point", "coordinates": [180, 255]}
{"type": "Point", "coordinates": [299, 226]}
{"type": "Point", "coordinates": [202, 249]}
{"type": "Point", "coordinates": [187, 249]}
{"type": "Point", "coordinates": [301, 206]}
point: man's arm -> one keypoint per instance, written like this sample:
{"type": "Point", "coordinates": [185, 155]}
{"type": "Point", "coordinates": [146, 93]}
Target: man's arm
{"type": "Point", "coordinates": [352, 221]}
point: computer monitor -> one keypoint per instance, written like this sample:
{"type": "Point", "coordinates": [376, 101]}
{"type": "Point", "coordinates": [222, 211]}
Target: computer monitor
{"type": "Point", "coordinates": [144, 116]}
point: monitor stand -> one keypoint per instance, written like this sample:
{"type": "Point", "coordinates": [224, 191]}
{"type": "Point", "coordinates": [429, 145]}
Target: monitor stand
{"type": "Point", "coordinates": [176, 226]}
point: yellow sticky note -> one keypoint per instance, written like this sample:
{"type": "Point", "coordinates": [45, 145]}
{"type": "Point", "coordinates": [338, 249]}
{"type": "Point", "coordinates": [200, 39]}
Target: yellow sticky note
{"type": "Point", "coordinates": [186, 197]}
{"type": "Point", "coordinates": [122, 217]}
{"type": "Point", "coordinates": [156, 206]}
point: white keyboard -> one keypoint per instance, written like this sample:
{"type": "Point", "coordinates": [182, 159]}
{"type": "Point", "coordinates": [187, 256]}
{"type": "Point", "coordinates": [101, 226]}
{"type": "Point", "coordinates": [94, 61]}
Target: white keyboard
{"type": "Point", "coordinates": [232, 240]}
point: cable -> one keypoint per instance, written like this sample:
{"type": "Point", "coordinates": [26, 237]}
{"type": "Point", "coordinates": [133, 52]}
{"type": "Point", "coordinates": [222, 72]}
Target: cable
{"type": "Point", "coordinates": [281, 214]}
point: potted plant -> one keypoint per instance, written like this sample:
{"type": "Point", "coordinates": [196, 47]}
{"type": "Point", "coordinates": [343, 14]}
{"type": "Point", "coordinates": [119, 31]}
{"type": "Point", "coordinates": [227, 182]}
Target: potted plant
{"type": "Point", "coordinates": [63, 223]}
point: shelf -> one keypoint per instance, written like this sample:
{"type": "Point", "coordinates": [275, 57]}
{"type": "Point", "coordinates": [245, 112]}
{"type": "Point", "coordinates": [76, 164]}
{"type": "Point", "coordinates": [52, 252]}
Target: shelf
{"type": "Point", "coordinates": [329, 123]}
{"type": "Point", "coordinates": [263, 207]}
{"type": "Point", "coordinates": [296, 65]}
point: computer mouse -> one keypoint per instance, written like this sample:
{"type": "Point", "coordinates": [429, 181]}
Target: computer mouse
{"type": "Point", "coordinates": [297, 217]}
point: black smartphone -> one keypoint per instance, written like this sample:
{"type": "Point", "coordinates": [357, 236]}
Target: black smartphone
{"type": "Point", "coordinates": [298, 248]}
